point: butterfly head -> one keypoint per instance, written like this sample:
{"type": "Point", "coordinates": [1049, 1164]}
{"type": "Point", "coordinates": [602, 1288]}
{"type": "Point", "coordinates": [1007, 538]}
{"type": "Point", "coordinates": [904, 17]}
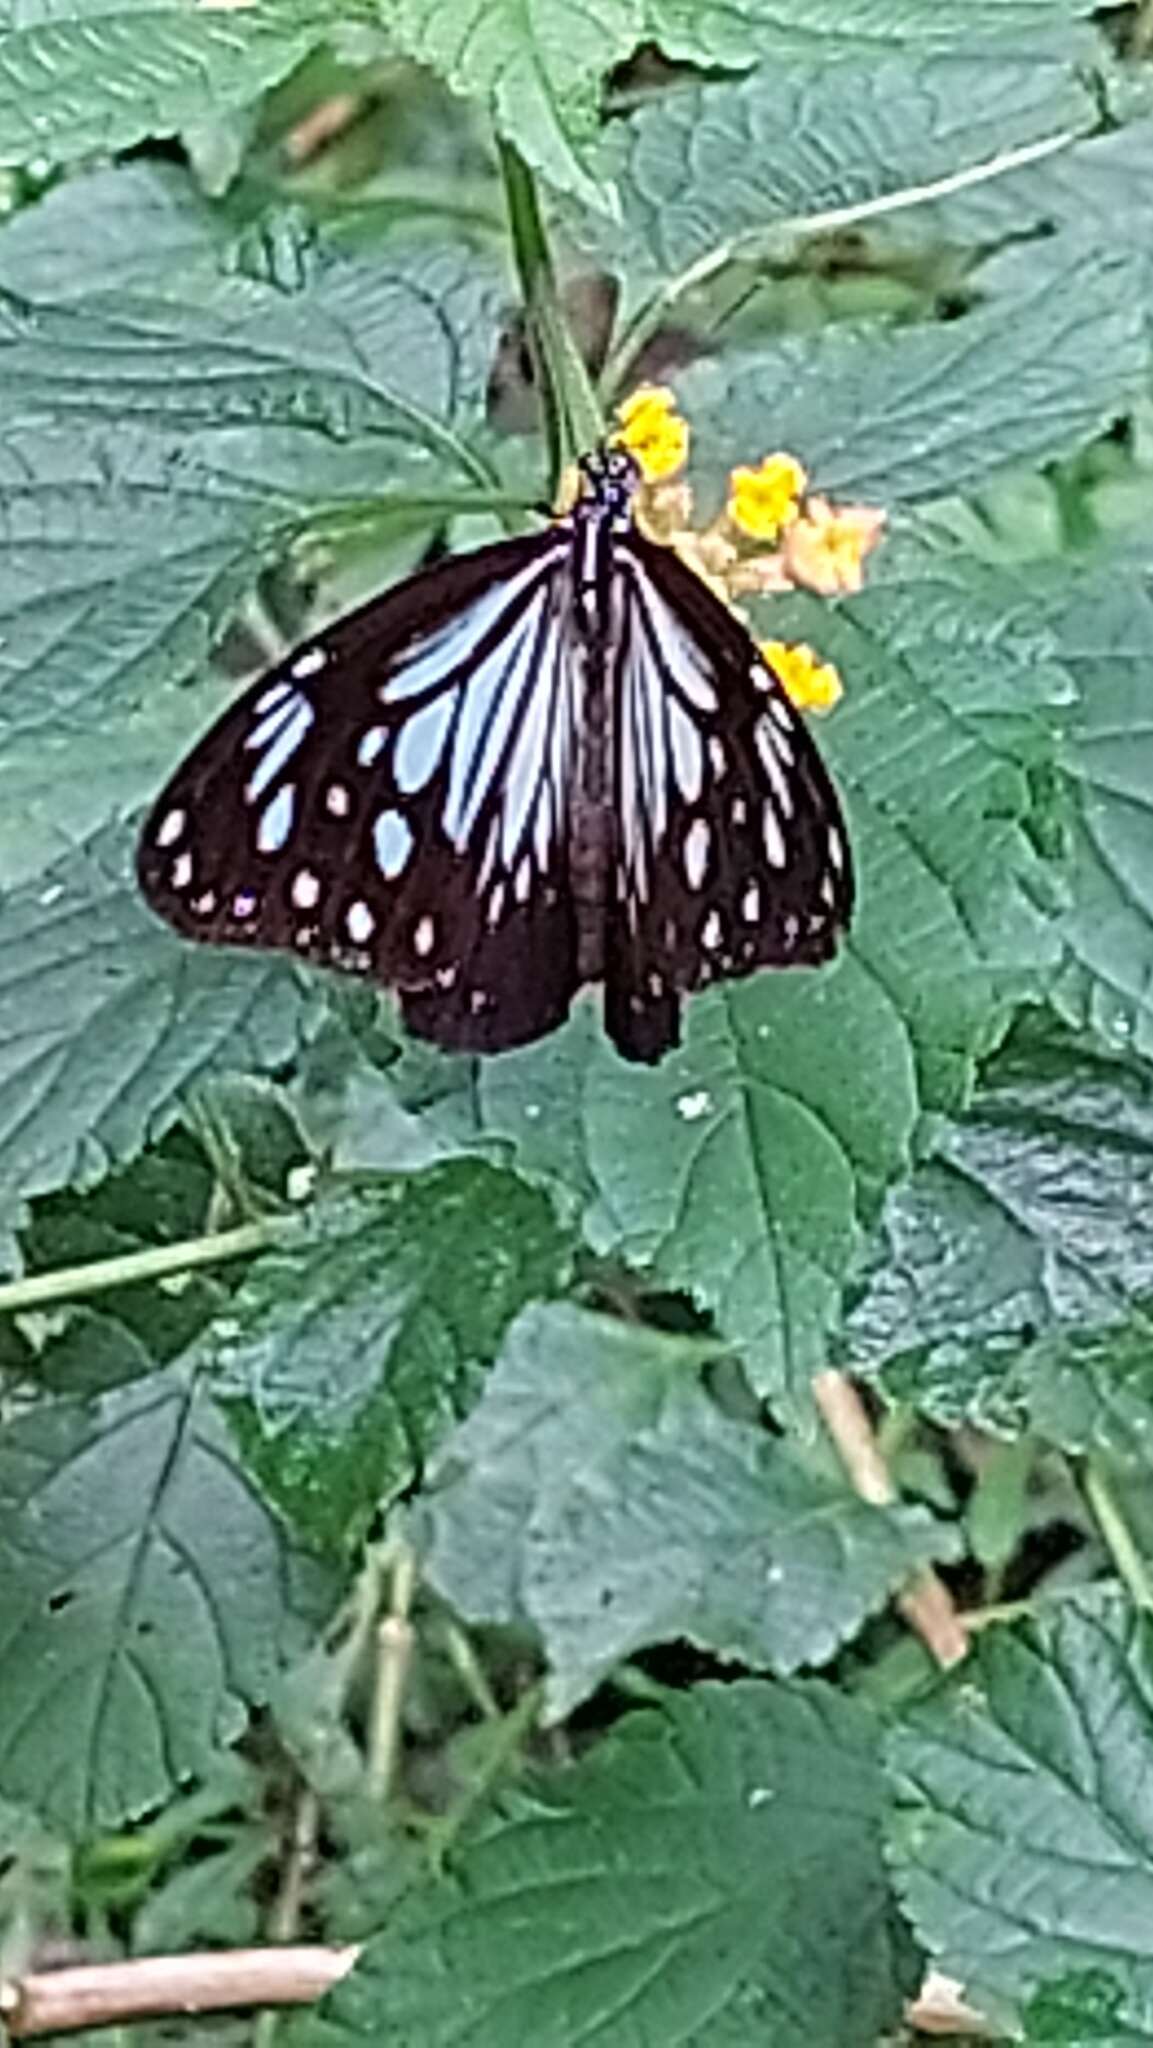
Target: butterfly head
{"type": "Point", "coordinates": [608, 480]}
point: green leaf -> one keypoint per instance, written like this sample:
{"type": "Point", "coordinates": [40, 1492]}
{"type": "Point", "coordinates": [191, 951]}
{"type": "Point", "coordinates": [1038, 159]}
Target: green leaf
{"type": "Point", "coordinates": [138, 1619]}
{"type": "Point", "coordinates": [711, 1873]}
{"type": "Point", "coordinates": [729, 1170]}
{"type": "Point", "coordinates": [539, 62]}
{"type": "Point", "coordinates": [897, 416]}
{"type": "Point", "coordinates": [98, 75]}
{"type": "Point", "coordinates": [1023, 1847]}
{"type": "Point", "coordinates": [399, 349]}
{"type": "Point", "coordinates": [347, 1354]}
{"type": "Point", "coordinates": [712, 167]}
{"type": "Point", "coordinates": [1092, 1391]}
{"type": "Point", "coordinates": [105, 1018]}
{"type": "Point", "coordinates": [1104, 622]}
{"type": "Point", "coordinates": [599, 1496]}
{"type": "Point", "coordinates": [116, 229]}
{"type": "Point", "coordinates": [737, 31]}
{"type": "Point", "coordinates": [985, 1247]}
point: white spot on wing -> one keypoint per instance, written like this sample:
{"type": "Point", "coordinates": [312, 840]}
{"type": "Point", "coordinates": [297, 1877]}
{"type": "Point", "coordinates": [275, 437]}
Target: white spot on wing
{"type": "Point", "coordinates": [392, 838]}
{"type": "Point", "coordinates": [751, 903]}
{"type": "Point", "coordinates": [359, 922]}
{"type": "Point", "coordinates": [424, 937]}
{"type": "Point", "coordinates": [309, 663]}
{"type": "Point", "coordinates": [371, 743]}
{"type": "Point", "coordinates": [274, 695]}
{"type": "Point", "coordinates": [181, 874]}
{"type": "Point", "coordinates": [711, 931]}
{"type": "Point", "coordinates": [243, 903]}
{"type": "Point", "coordinates": [780, 714]}
{"type": "Point", "coordinates": [337, 801]}
{"type": "Point", "coordinates": [305, 889]}
{"type": "Point", "coordinates": [697, 841]}
{"type": "Point", "coordinates": [170, 827]}
{"type": "Point", "coordinates": [276, 820]}
{"type": "Point", "coordinates": [522, 880]}
{"type": "Point", "coordinates": [836, 848]}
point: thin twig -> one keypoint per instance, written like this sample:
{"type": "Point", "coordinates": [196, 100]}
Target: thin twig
{"type": "Point", "coordinates": [69, 1282]}
{"type": "Point", "coordinates": [104, 1994]}
{"type": "Point", "coordinates": [284, 1918]}
{"type": "Point", "coordinates": [925, 1602]}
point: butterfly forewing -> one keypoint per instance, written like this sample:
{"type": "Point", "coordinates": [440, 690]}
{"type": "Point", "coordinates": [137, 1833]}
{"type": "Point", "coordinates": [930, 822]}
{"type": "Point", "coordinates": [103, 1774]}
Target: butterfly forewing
{"type": "Point", "coordinates": [392, 800]}
{"type": "Point", "coordinates": [731, 852]}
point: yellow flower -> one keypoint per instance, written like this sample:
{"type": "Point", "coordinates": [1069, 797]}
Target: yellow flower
{"type": "Point", "coordinates": [651, 428]}
{"type": "Point", "coordinates": [762, 501]}
{"type": "Point", "coordinates": [825, 550]}
{"type": "Point", "coordinates": [811, 684]}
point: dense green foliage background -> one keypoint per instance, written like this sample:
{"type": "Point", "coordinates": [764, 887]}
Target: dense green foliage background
{"type": "Point", "coordinates": [305, 1325]}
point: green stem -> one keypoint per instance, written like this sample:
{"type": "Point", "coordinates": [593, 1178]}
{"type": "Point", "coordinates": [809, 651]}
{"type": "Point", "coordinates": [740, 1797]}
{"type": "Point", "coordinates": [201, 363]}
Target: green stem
{"type": "Point", "coordinates": [1078, 525]}
{"type": "Point", "coordinates": [1116, 1533]}
{"type": "Point", "coordinates": [394, 1641]}
{"type": "Point", "coordinates": [1141, 32]}
{"type": "Point", "coordinates": [41, 1289]}
{"type": "Point", "coordinates": [574, 421]}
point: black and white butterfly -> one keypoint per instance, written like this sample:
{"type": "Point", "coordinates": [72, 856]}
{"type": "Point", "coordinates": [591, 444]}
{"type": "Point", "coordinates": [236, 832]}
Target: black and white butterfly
{"type": "Point", "coordinates": [557, 760]}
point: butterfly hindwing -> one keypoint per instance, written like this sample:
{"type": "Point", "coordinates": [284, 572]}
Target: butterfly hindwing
{"type": "Point", "coordinates": [731, 851]}
{"type": "Point", "coordinates": [391, 800]}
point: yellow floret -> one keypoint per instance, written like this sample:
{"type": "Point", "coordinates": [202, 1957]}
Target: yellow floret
{"type": "Point", "coordinates": [811, 684]}
{"type": "Point", "coordinates": [764, 500]}
{"type": "Point", "coordinates": [650, 427]}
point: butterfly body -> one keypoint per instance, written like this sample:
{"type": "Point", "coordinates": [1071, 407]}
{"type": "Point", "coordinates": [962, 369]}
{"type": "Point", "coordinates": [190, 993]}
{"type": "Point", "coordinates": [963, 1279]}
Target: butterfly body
{"type": "Point", "coordinates": [555, 760]}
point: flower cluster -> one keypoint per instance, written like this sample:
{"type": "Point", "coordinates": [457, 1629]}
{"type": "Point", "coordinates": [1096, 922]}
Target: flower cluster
{"type": "Point", "coordinates": [803, 541]}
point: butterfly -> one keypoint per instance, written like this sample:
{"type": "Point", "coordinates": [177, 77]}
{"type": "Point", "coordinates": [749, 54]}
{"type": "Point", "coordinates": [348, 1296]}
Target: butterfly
{"type": "Point", "coordinates": [556, 760]}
